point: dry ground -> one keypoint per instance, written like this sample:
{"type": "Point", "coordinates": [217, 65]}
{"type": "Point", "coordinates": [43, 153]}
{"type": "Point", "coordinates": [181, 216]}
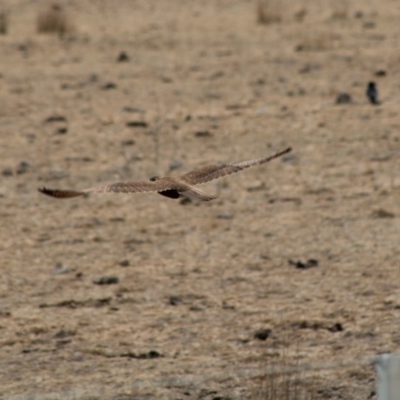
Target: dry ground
{"type": "Point", "coordinates": [205, 83]}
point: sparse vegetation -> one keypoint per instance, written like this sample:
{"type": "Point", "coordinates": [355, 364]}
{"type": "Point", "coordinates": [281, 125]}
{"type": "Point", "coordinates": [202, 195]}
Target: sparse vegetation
{"type": "Point", "coordinates": [54, 20]}
{"type": "Point", "coordinates": [282, 378]}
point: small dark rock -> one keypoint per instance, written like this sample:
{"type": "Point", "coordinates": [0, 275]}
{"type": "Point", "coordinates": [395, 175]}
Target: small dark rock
{"type": "Point", "coordinates": [133, 109]}
{"type": "Point", "coordinates": [225, 215]}
{"type": "Point", "coordinates": [343, 98]}
{"type": "Point", "coordinates": [197, 307]}
{"type": "Point", "coordinates": [203, 134]}
{"type": "Point", "coordinates": [128, 142]}
{"type": "Point", "coordinates": [143, 356]}
{"type": "Point", "coordinates": [175, 164]}
{"type": "Point", "coordinates": [61, 131]}
{"type": "Point", "coordinates": [63, 333]}
{"type": "Point", "coordinates": [106, 280]}
{"type": "Point", "coordinates": [7, 172]}
{"type": "Point", "coordinates": [185, 201]}
{"type": "Point", "coordinates": [381, 213]}
{"type": "Point", "coordinates": [262, 334]}
{"type": "Point", "coordinates": [166, 79]}
{"type": "Point", "coordinates": [380, 72]}
{"type": "Point", "coordinates": [61, 269]}
{"type": "Point", "coordinates": [137, 124]}
{"type": "Point", "coordinates": [174, 300]}
{"type": "Point", "coordinates": [55, 118]}
{"type": "Point", "coordinates": [124, 263]}
{"type": "Point", "coordinates": [23, 167]}
{"type": "Point", "coordinates": [123, 57]}
{"type": "Point", "coordinates": [304, 265]}
{"type": "Point", "coordinates": [369, 25]}
{"type": "Point", "coordinates": [337, 327]}
{"type": "Point", "coordinates": [108, 86]}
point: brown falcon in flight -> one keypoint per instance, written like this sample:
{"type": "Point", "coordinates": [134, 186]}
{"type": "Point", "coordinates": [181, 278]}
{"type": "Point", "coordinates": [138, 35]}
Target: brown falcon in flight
{"type": "Point", "coordinates": [169, 186]}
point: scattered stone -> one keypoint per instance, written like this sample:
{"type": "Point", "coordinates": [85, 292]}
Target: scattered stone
{"type": "Point", "coordinates": [128, 142]}
{"type": "Point", "coordinates": [256, 185]}
{"type": "Point", "coordinates": [4, 313]}
{"type": "Point", "coordinates": [203, 134]}
{"type": "Point", "coordinates": [136, 124]}
{"type": "Point", "coordinates": [123, 57]}
{"type": "Point", "coordinates": [106, 280]}
{"type": "Point", "coordinates": [64, 333]}
{"type": "Point", "coordinates": [55, 118]}
{"type": "Point", "coordinates": [225, 215]}
{"type": "Point", "coordinates": [344, 98]}
{"type": "Point", "coordinates": [134, 109]}
{"type": "Point", "coordinates": [381, 213]}
{"type": "Point", "coordinates": [175, 164]}
{"type": "Point", "coordinates": [301, 265]}
{"type": "Point", "coordinates": [7, 172]}
{"type": "Point", "coordinates": [143, 356]}
{"type": "Point", "coordinates": [61, 269]}
{"type": "Point", "coordinates": [184, 201]}
{"type": "Point", "coordinates": [369, 25]}
{"type": "Point", "coordinates": [53, 174]}
{"type": "Point", "coordinates": [166, 79]}
{"type": "Point", "coordinates": [309, 68]}
{"type": "Point", "coordinates": [23, 167]}
{"type": "Point", "coordinates": [337, 327]}
{"type": "Point", "coordinates": [262, 334]}
{"type": "Point", "coordinates": [108, 86]}
{"type": "Point", "coordinates": [174, 300]}
{"type": "Point", "coordinates": [61, 131]}
{"type": "Point", "coordinates": [197, 307]}
{"type": "Point", "coordinates": [380, 72]}
{"type": "Point", "coordinates": [124, 263]}
{"type": "Point", "coordinates": [113, 219]}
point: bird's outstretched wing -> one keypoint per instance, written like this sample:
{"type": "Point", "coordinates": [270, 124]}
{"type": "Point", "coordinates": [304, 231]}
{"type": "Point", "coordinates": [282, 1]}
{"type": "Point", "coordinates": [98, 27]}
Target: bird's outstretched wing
{"type": "Point", "coordinates": [117, 187]}
{"type": "Point", "coordinates": [211, 172]}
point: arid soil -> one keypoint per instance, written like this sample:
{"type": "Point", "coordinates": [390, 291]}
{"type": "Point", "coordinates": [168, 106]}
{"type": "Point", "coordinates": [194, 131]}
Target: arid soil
{"type": "Point", "coordinates": [199, 299]}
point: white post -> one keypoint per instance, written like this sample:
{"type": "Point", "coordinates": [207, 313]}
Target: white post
{"type": "Point", "coordinates": [388, 372]}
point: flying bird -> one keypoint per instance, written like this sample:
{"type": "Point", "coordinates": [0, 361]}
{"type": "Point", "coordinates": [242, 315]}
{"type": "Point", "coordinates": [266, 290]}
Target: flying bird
{"type": "Point", "coordinates": [169, 186]}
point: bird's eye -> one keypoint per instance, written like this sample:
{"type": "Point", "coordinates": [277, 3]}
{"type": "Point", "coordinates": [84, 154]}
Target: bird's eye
{"type": "Point", "coordinates": [154, 178]}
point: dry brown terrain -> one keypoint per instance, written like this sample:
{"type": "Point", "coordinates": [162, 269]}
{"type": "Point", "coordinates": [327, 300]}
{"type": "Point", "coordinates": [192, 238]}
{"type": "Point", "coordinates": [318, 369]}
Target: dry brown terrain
{"type": "Point", "coordinates": [203, 83]}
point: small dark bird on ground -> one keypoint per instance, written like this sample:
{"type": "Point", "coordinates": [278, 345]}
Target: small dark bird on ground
{"type": "Point", "coordinates": [372, 93]}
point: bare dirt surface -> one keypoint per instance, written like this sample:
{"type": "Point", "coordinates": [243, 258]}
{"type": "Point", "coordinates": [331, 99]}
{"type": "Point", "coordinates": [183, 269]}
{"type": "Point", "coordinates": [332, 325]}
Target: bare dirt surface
{"type": "Point", "coordinates": [200, 285]}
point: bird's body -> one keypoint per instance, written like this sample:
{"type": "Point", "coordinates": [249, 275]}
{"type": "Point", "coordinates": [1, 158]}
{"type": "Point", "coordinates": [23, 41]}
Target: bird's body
{"type": "Point", "coordinates": [169, 186]}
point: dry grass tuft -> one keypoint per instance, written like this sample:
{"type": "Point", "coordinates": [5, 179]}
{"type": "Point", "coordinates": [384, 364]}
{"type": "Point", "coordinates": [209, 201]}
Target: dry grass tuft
{"type": "Point", "coordinates": [268, 12]}
{"type": "Point", "coordinates": [284, 381]}
{"type": "Point", "coordinates": [54, 20]}
{"type": "Point", "coordinates": [3, 22]}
